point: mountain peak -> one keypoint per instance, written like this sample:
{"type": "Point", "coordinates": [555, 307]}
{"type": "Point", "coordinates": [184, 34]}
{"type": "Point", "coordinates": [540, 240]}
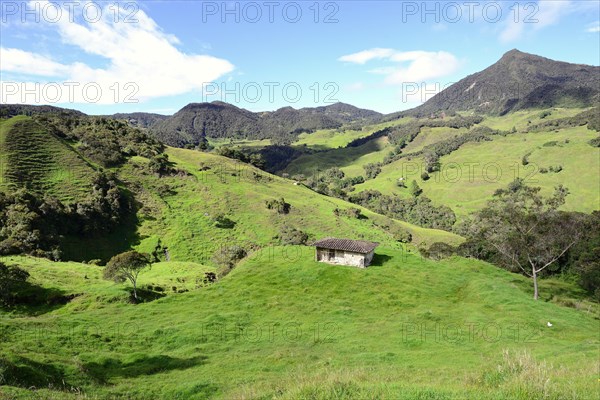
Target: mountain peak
{"type": "Point", "coordinates": [513, 52]}
{"type": "Point", "coordinates": [519, 81]}
{"type": "Point", "coordinates": [517, 55]}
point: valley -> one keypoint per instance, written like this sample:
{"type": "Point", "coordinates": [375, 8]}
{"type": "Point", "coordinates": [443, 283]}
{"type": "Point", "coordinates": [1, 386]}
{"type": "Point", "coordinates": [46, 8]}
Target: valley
{"type": "Point", "coordinates": [484, 283]}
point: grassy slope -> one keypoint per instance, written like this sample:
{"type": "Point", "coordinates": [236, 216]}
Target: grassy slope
{"type": "Point", "coordinates": [332, 138]}
{"type": "Point", "coordinates": [283, 326]}
{"type": "Point", "coordinates": [470, 175]}
{"type": "Point", "coordinates": [466, 191]}
{"type": "Point", "coordinates": [28, 153]}
{"type": "Point", "coordinates": [335, 154]}
{"type": "Point", "coordinates": [309, 330]}
{"type": "Point", "coordinates": [350, 160]}
{"type": "Point", "coordinates": [183, 218]}
{"type": "Point", "coordinates": [219, 142]}
{"type": "Point", "coordinates": [321, 139]}
{"type": "Point", "coordinates": [183, 221]}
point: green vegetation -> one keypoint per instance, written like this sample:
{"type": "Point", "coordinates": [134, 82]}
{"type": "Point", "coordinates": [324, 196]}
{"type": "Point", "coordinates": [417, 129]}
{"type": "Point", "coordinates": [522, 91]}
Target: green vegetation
{"type": "Point", "coordinates": [469, 175]}
{"type": "Point", "coordinates": [234, 305]}
{"type": "Point", "coordinates": [526, 231]}
{"type": "Point", "coordinates": [12, 278]}
{"type": "Point", "coordinates": [473, 164]}
{"type": "Point", "coordinates": [31, 158]}
{"type": "Point", "coordinates": [341, 137]}
{"type": "Point", "coordinates": [296, 328]}
{"type": "Point", "coordinates": [127, 266]}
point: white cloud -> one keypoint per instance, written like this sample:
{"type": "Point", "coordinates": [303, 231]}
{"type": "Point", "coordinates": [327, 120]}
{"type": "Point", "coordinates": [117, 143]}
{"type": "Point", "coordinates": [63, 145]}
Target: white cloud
{"type": "Point", "coordinates": [550, 11]}
{"type": "Point", "coordinates": [533, 16]}
{"type": "Point", "coordinates": [594, 28]}
{"type": "Point", "coordinates": [367, 55]}
{"type": "Point", "coordinates": [410, 66]}
{"type": "Point", "coordinates": [24, 62]}
{"type": "Point", "coordinates": [139, 53]}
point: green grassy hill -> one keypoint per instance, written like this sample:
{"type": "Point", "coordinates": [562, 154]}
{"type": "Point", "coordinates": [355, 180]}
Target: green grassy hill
{"type": "Point", "coordinates": [334, 138]}
{"type": "Point", "coordinates": [348, 159]}
{"type": "Point", "coordinates": [470, 175]}
{"type": "Point", "coordinates": [280, 325]}
{"type": "Point", "coordinates": [32, 157]}
{"type": "Point", "coordinates": [183, 218]}
{"type": "Point", "coordinates": [283, 326]}
{"type": "Point", "coordinates": [179, 209]}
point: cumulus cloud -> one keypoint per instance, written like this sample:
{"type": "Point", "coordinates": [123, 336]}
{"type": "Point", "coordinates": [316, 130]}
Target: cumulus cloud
{"type": "Point", "coordinates": [409, 66]}
{"type": "Point", "coordinates": [138, 54]}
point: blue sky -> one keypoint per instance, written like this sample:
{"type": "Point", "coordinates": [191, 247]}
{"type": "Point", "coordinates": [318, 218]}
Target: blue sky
{"type": "Point", "coordinates": [158, 56]}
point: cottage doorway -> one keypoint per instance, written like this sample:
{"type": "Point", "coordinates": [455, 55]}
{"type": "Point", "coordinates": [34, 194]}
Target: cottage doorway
{"type": "Point", "coordinates": [331, 254]}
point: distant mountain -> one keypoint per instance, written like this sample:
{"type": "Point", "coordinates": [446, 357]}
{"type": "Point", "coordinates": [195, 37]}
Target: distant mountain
{"type": "Point", "coordinates": [222, 120]}
{"type": "Point", "coordinates": [518, 81]}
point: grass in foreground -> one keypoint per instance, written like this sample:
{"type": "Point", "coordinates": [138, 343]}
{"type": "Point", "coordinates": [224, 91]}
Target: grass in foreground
{"type": "Point", "coordinates": [283, 326]}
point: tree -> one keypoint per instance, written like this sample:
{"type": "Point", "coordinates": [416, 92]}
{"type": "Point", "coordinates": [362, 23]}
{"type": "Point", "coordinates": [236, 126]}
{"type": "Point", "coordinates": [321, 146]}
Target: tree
{"type": "Point", "coordinates": [526, 229]}
{"type": "Point", "coordinates": [159, 164]}
{"type": "Point", "coordinates": [584, 257]}
{"type": "Point", "coordinates": [258, 160]}
{"type": "Point", "coordinates": [432, 162]}
{"type": "Point", "coordinates": [371, 170]}
{"type": "Point", "coordinates": [127, 266]}
{"type": "Point", "coordinates": [415, 189]}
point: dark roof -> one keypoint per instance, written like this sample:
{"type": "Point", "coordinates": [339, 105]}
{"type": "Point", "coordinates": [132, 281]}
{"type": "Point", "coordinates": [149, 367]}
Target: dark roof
{"type": "Point", "coordinates": [357, 246]}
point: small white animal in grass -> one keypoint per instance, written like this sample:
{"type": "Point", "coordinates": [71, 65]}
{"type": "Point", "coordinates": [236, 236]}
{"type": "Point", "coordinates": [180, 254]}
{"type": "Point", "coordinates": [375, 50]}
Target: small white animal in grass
{"type": "Point", "coordinates": [549, 324]}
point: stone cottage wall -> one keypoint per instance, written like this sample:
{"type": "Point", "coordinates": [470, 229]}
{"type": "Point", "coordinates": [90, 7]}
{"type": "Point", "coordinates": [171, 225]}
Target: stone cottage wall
{"type": "Point", "coordinates": [342, 258]}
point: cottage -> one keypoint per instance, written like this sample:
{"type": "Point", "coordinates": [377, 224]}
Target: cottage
{"type": "Point", "coordinates": [356, 253]}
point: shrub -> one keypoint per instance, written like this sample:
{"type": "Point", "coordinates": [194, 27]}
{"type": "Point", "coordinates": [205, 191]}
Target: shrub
{"type": "Point", "coordinates": [401, 234]}
{"type": "Point", "coordinates": [556, 169]}
{"type": "Point", "coordinates": [227, 257]}
{"type": "Point", "coordinates": [595, 142]}
{"type": "Point", "coordinates": [438, 251]}
{"type": "Point", "coordinates": [11, 278]}
{"type": "Point", "coordinates": [415, 189]}
{"type": "Point", "coordinates": [552, 143]}
{"type": "Point", "coordinates": [424, 176]}
{"type": "Point", "coordinates": [372, 170]}
{"type": "Point", "coordinates": [160, 165]}
{"type": "Point", "coordinates": [292, 236]}
{"type": "Point", "coordinates": [279, 205]}
{"type": "Point", "coordinates": [221, 221]}
{"type": "Point", "coordinates": [353, 213]}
